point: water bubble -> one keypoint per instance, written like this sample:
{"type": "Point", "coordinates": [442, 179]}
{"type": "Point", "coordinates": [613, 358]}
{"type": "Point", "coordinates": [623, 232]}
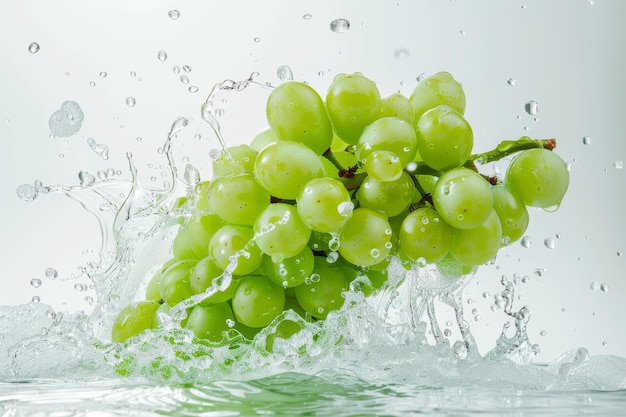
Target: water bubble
{"type": "Point", "coordinates": [374, 253]}
{"type": "Point", "coordinates": [511, 81]}
{"type": "Point", "coordinates": [333, 244]}
{"type": "Point", "coordinates": [345, 208]}
{"type": "Point", "coordinates": [340, 25]}
{"type": "Point", "coordinates": [421, 262]}
{"type": "Point", "coordinates": [586, 140]}
{"type": "Point", "coordinates": [67, 120]}
{"type": "Point", "coordinates": [86, 179]}
{"type": "Point", "coordinates": [80, 287]}
{"type": "Point", "coordinates": [307, 16]}
{"type": "Point", "coordinates": [173, 14]}
{"type": "Point", "coordinates": [531, 107]}
{"type": "Point", "coordinates": [526, 242]}
{"type": "Point", "coordinates": [27, 192]}
{"type": "Point", "coordinates": [51, 273]}
{"type": "Point", "coordinates": [401, 53]}
{"type": "Point", "coordinates": [33, 48]}
{"type": "Point", "coordinates": [332, 257]}
{"type": "Point", "coordinates": [618, 164]}
{"type": "Point", "coordinates": [447, 332]}
{"type": "Point", "coordinates": [130, 101]}
{"type": "Point", "coordinates": [35, 282]}
{"type": "Point", "coordinates": [162, 55]}
{"type": "Point", "coordinates": [550, 243]}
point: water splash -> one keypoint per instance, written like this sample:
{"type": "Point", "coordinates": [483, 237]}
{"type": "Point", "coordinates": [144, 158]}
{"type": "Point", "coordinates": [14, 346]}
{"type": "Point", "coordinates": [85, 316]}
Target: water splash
{"type": "Point", "coordinates": [66, 121]}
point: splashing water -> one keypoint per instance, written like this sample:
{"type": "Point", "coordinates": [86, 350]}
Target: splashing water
{"type": "Point", "coordinates": [390, 337]}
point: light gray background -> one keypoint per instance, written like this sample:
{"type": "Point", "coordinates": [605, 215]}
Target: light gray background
{"type": "Point", "coordinates": [568, 55]}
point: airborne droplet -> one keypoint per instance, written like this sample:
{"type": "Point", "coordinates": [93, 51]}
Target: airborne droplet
{"type": "Point", "coordinates": [531, 107]}
{"type": "Point", "coordinates": [340, 25]}
{"type": "Point", "coordinates": [162, 55]}
{"type": "Point", "coordinates": [284, 73]}
{"type": "Point", "coordinates": [33, 48]}
{"type": "Point", "coordinates": [130, 101]}
{"type": "Point", "coordinates": [173, 14]}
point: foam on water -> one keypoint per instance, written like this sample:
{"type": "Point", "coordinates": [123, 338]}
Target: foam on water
{"type": "Point", "coordinates": [391, 337]}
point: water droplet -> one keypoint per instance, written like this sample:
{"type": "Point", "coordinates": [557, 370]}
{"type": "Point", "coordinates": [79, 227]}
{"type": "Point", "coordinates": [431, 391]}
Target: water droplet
{"type": "Point", "coordinates": [586, 140]}
{"type": "Point", "coordinates": [67, 120]}
{"type": "Point", "coordinates": [193, 89]}
{"type": "Point", "coordinates": [345, 209]}
{"type": "Point", "coordinates": [33, 48]}
{"type": "Point", "coordinates": [401, 53]}
{"type": "Point", "coordinates": [256, 39]}
{"type": "Point", "coordinates": [421, 262]}
{"type": "Point", "coordinates": [92, 83]}
{"type": "Point", "coordinates": [133, 74]}
{"type": "Point", "coordinates": [186, 68]}
{"type": "Point", "coordinates": [542, 333]}
{"type": "Point", "coordinates": [184, 79]}
{"type": "Point", "coordinates": [550, 243]}
{"type": "Point", "coordinates": [80, 287]}
{"type": "Point", "coordinates": [374, 253]}
{"type": "Point", "coordinates": [595, 286]}
{"type": "Point", "coordinates": [526, 242]}
{"type": "Point", "coordinates": [101, 150]}
{"type": "Point", "coordinates": [618, 164]}
{"type": "Point", "coordinates": [462, 32]}
{"type": "Point", "coordinates": [307, 16]}
{"type": "Point", "coordinates": [130, 101]}
{"type": "Point", "coordinates": [36, 299]}
{"type": "Point", "coordinates": [27, 192]}
{"type": "Point", "coordinates": [284, 73]}
{"type": "Point", "coordinates": [539, 272]}
{"type": "Point", "coordinates": [192, 175]}
{"type": "Point", "coordinates": [51, 273]}
{"type": "Point", "coordinates": [511, 81]}
{"type": "Point", "coordinates": [604, 287]}
{"type": "Point", "coordinates": [35, 282]}
{"type": "Point", "coordinates": [447, 332]}
{"type": "Point", "coordinates": [340, 25]}
{"type": "Point", "coordinates": [176, 69]}
{"type": "Point", "coordinates": [332, 257]}
{"type": "Point", "coordinates": [162, 55]}
{"type": "Point", "coordinates": [421, 76]}
{"type": "Point", "coordinates": [531, 107]}
{"type": "Point", "coordinates": [173, 14]}
{"type": "Point", "coordinates": [86, 179]}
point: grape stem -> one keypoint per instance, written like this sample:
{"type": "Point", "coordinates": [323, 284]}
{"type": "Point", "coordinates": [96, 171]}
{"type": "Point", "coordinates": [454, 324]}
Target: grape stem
{"type": "Point", "coordinates": [509, 147]}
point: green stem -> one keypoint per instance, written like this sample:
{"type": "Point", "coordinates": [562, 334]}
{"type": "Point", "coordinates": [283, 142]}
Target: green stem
{"type": "Point", "coordinates": [509, 147]}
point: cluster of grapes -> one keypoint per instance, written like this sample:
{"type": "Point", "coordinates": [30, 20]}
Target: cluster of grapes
{"type": "Point", "coordinates": [330, 192]}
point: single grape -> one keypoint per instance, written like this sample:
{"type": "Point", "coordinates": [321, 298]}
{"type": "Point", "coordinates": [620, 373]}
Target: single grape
{"type": "Point", "coordinates": [324, 205]}
{"type": "Point", "coordinates": [290, 271]}
{"type": "Point", "coordinates": [280, 233]}
{"type": "Point", "coordinates": [463, 198]}
{"type": "Point", "coordinates": [178, 291]}
{"type": "Point", "coordinates": [199, 231]}
{"type": "Point", "coordinates": [133, 319]}
{"type": "Point", "coordinates": [397, 105]}
{"type": "Point", "coordinates": [383, 166]}
{"type": "Point", "coordinates": [295, 112]}
{"type": "Point", "coordinates": [233, 245]}
{"type": "Point", "coordinates": [388, 134]}
{"type": "Point", "coordinates": [152, 290]}
{"type": "Point", "coordinates": [258, 300]}
{"type": "Point", "coordinates": [323, 292]}
{"type": "Point", "coordinates": [210, 321]}
{"type": "Point", "coordinates": [182, 248]}
{"type": "Point", "coordinates": [353, 102]}
{"type": "Point", "coordinates": [238, 199]}
{"type": "Point", "coordinates": [283, 168]}
{"type": "Point", "coordinates": [439, 88]}
{"type": "Point", "coordinates": [478, 245]}
{"type": "Point", "coordinates": [205, 274]}
{"type": "Point", "coordinates": [234, 160]}
{"type": "Point", "coordinates": [539, 177]}
{"type": "Point", "coordinates": [444, 138]}
{"type": "Point", "coordinates": [366, 238]}
{"type": "Point", "coordinates": [512, 213]}
{"type": "Point", "coordinates": [174, 273]}
{"type": "Point", "coordinates": [388, 197]}
{"type": "Point", "coordinates": [263, 139]}
{"type": "Point", "coordinates": [424, 234]}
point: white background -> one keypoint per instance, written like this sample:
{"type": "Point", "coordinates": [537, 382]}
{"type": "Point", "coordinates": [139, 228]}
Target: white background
{"type": "Point", "coordinates": [568, 55]}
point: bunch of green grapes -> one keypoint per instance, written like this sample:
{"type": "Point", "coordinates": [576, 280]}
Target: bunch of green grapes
{"type": "Point", "coordinates": [332, 191]}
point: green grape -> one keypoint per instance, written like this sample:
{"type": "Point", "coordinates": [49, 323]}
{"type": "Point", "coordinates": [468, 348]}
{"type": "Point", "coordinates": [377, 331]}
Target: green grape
{"type": "Point", "coordinates": [439, 88]}
{"type": "Point", "coordinates": [233, 242]}
{"type": "Point", "coordinates": [353, 102]}
{"type": "Point", "coordinates": [202, 197]}
{"type": "Point", "coordinates": [366, 238]}
{"type": "Point", "coordinates": [178, 291]}
{"type": "Point", "coordinates": [211, 321]}
{"type": "Point", "coordinates": [324, 205]}
{"type": "Point", "coordinates": [284, 330]}
{"type": "Point", "coordinates": [238, 199]}
{"type": "Point", "coordinates": [444, 138]}
{"type": "Point", "coordinates": [263, 139]}
{"type": "Point", "coordinates": [290, 271]}
{"type": "Point", "coordinates": [182, 247]}
{"type": "Point", "coordinates": [389, 197]}
{"type": "Point", "coordinates": [280, 233]}
{"type": "Point", "coordinates": [323, 292]}
{"type": "Point", "coordinates": [234, 160]}
{"type": "Point", "coordinates": [199, 230]}
{"type": "Point", "coordinates": [284, 167]}
{"type": "Point", "coordinates": [296, 113]}
{"type": "Point", "coordinates": [397, 105]}
{"type": "Point", "coordinates": [424, 235]}
{"type": "Point", "coordinates": [258, 300]}
{"type": "Point", "coordinates": [383, 166]}
{"type": "Point", "coordinates": [133, 319]}
{"type": "Point", "coordinates": [478, 245]}
{"type": "Point", "coordinates": [512, 213]}
{"type": "Point", "coordinates": [176, 272]}
{"type": "Point", "coordinates": [321, 242]}
{"type": "Point", "coordinates": [152, 290]}
{"type": "Point", "coordinates": [539, 177]}
{"type": "Point", "coordinates": [463, 198]}
{"type": "Point", "coordinates": [205, 274]}
{"type": "Point", "coordinates": [388, 134]}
